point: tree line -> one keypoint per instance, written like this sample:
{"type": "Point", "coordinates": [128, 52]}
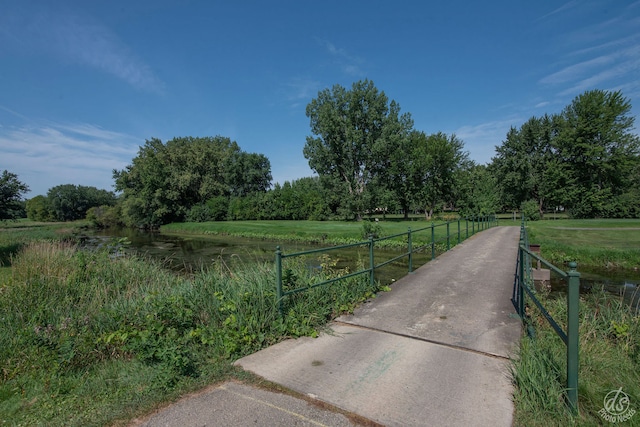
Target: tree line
{"type": "Point", "coordinates": [584, 159]}
{"type": "Point", "coordinates": [369, 160]}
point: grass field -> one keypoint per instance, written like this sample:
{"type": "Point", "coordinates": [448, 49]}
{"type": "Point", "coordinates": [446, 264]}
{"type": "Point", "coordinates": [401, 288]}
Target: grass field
{"type": "Point", "coordinates": [332, 232]}
{"type": "Point", "coordinates": [609, 243]}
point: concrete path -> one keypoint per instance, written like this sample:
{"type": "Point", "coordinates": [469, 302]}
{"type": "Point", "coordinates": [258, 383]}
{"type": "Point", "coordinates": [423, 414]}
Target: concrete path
{"type": "Point", "coordinates": [432, 352]}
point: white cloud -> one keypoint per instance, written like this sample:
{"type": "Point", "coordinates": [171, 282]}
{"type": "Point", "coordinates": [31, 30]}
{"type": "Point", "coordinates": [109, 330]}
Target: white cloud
{"type": "Point", "coordinates": [80, 39]}
{"type": "Point", "coordinates": [300, 91]}
{"type": "Point", "coordinates": [50, 154]}
{"type": "Point", "coordinates": [577, 70]}
{"type": "Point", "coordinates": [564, 7]}
{"type": "Point", "coordinates": [606, 64]}
{"type": "Point", "coordinates": [350, 64]}
{"type": "Point", "coordinates": [480, 140]}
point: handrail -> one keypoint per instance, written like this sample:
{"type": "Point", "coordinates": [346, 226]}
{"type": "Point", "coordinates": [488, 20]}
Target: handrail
{"type": "Point", "coordinates": [478, 223]}
{"type": "Point", "coordinates": [523, 285]}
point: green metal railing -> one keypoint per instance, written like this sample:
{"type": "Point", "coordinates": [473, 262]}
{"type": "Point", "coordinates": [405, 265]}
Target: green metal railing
{"type": "Point", "coordinates": [524, 285]}
{"type": "Point", "coordinates": [477, 224]}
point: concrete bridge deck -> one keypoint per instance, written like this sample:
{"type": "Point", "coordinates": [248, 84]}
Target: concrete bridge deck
{"type": "Point", "coordinates": [432, 352]}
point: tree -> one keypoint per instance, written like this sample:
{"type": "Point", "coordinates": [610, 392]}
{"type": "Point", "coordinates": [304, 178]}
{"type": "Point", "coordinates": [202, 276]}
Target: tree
{"type": "Point", "coordinates": [38, 209]}
{"type": "Point", "coordinates": [475, 190]}
{"type": "Point", "coordinates": [247, 173]}
{"type": "Point", "coordinates": [523, 161]}
{"type": "Point", "coordinates": [165, 181]}
{"type": "Point", "coordinates": [11, 193]}
{"type": "Point", "coordinates": [352, 128]}
{"type": "Point", "coordinates": [69, 202]}
{"type": "Point", "coordinates": [598, 152]}
{"type": "Point", "coordinates": [585, 159]}
{"type": "Point", "coordinates": [438, 158]}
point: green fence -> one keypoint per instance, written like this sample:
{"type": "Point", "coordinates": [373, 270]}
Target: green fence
{"type": "Point", "coordinates": [456, 231]}
{"type": "Point", "coordinates": [524, 287]}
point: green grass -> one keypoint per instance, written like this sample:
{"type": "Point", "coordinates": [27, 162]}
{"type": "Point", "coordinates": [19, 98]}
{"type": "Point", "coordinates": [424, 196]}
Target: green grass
{"type": "Point", "coordinates": [89, 338]}
{"type": "Point", "coordinates": [609, 359]}
{"type": "Point", "coordinates": [327, 232]}
{"type": "Point", "coordinates": [15, 234]}
{"type": "Point", "coordinates": [609, 328]}
{"type": "Point", "coordinates": [610, 243]}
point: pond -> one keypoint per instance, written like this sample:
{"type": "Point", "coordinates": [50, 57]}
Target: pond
{"type": "Point", "coordinates": [625, 283]}
{"type": "Point", "coordinates": [189, 254]}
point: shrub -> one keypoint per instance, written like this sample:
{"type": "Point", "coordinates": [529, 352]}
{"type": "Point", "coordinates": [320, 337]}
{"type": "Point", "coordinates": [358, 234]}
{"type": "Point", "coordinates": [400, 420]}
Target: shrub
{"type": "Point", "coordinates": [371, 228]}
{"type": "Point", "coordinates": [530, 210]}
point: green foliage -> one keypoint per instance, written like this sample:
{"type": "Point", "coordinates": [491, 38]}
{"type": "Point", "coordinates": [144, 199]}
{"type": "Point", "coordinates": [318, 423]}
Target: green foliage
{"type": "Point", "coordinates": [371, 228]}
{"type": "Point", "coordinates": [585, 159]}
{"type": "Point", "coordinates": [530, 210]}
{"type": "Point", "coordinates": [39, 209]}
{"type": "Point", "coordinates": [355, 130]}
{"type": "Point", "coordinates": [165, 181]}
{"type": "Point", "coordinates": [70, 202]}
{"type": "Point", "coordinates": [609, 359]}
{"type": "Point", "coordinates": [438, 157]}
{"type": "Point", "coordinates": [11, 192]}
{"type": "Point", "coordinates": [522, 161]}
{"type": "Point", "coordinates": [105, 216]}
{"type": "Point", "coordinates": [475, 190]}
{"type": "Point", "coordinates": [84, 331]}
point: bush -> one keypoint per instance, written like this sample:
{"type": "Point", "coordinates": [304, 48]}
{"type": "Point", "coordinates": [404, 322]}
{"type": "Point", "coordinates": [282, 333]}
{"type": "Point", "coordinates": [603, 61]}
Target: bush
{"type": "Point", "coordinates": [105, 216]}
{"type": "Point", "coordinates": [530, 210]}
{"type": "Point", "coordinates": [371, 228]}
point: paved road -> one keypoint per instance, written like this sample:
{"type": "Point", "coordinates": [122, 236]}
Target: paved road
{"type": "Point", "coordinates": [432, 352]}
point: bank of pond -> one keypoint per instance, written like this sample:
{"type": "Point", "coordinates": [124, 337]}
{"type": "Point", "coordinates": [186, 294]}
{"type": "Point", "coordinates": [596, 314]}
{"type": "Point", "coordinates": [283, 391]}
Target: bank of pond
{"type": "Point", "coordinates": [188, 253]}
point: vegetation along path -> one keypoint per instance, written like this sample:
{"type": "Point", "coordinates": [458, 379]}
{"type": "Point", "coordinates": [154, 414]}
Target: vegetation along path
{"type": "Point", "coordinates": [433, 351]}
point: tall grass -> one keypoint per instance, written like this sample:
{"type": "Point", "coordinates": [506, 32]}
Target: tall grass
{"type": "Point", "coordinates": [90, 338]}
{"type": "Point", "coordinates": [609, 359]}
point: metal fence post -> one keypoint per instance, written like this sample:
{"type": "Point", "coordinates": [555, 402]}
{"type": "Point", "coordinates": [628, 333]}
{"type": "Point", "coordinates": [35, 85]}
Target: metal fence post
{"type": "Point", "coordinates": [573, 304]}
{"type": "Point", "coordinates": [521, 281]}
{"type": "Point", "coordinates": [448, 241]}
{"type": "Point", "coordinates": [279, 279]}
{"type": "Point", "coordinates": [371, 261]}
{"type": "Point", "coordinates": [466, 222]}
{"type": "Point", "coordinates": [433, 242]}
{"type": "Point", "coordinates": [458, 230]}
{"type": "Point", "coordinates": [410, 250]}
{"type": "Point", "coordinates": [473, 225]}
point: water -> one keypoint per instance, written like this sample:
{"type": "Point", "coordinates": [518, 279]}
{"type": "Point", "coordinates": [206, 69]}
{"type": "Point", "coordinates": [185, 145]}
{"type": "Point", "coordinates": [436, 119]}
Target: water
{"type": "Point", "coordinates": [625, 283]}
{"type": "Point", "coordinates": [189, 254]}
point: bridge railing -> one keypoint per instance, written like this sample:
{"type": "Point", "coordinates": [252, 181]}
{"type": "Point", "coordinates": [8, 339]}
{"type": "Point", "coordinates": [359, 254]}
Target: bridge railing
{"type": "Point", "coordinates": [457, 234]}
{"type": "Point", "coordinates": [524, 287]}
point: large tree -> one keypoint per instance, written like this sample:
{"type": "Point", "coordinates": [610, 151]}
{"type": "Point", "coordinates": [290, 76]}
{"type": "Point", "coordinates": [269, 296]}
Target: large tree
{"type": "Point", "coordinates": [475, 190]}
{"type": "Point", "coordinates": [522, 163]}
{"type": "Point", "coordinates": [598, 153]}
{"type": "Point", "coordinates": [438, 158]}
{"type": "Point", "coordinates": [585, 159]}
{"type": "Point", "coordinates": [352, 128]}
{"type": "Point", "coordinates": [11, 195]}
{"type": "Point", "coordinates": [69, 202]}
{"type": "Point", "coordinates": [165, 181]}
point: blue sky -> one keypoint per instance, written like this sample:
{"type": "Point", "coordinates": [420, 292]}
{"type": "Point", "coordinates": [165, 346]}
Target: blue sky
{"type": "Point", "coordinates": [84, 83]}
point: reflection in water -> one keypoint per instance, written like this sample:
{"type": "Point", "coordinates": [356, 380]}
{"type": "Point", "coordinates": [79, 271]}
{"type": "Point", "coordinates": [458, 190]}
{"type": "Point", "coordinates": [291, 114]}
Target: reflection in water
{"type": "Point", "coordinates": [624, 283]}
{"type": "Point", "coordinates": [193, 253]}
